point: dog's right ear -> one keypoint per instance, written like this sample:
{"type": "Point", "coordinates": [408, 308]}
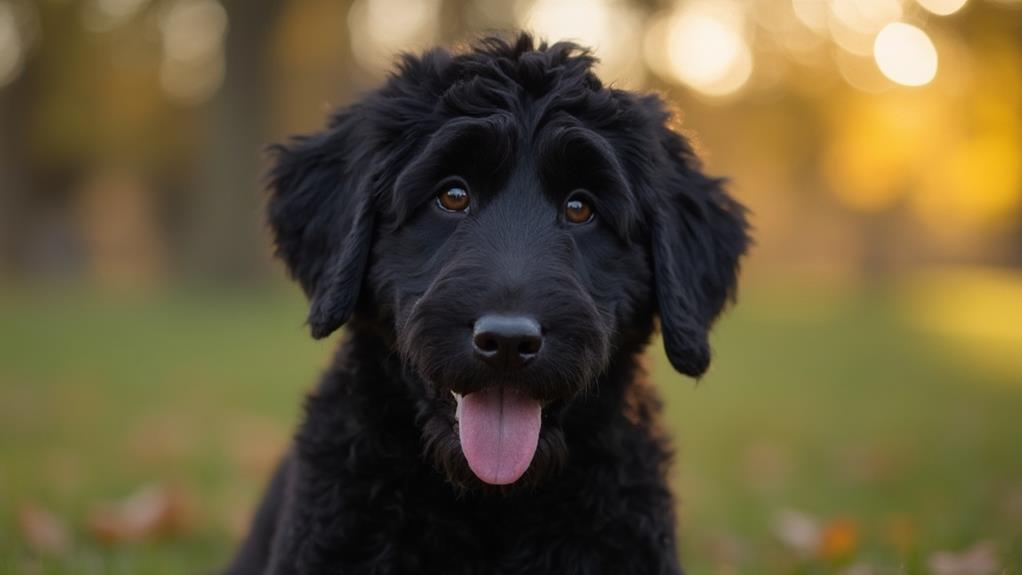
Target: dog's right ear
{"type": "Point", "coordinates": [320, 210]}
{"type": "Point", "coordinates": [699, 235]}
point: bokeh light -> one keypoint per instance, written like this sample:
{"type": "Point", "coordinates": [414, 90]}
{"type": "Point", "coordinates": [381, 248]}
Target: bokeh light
{"type": "Point", "coordinates": [706, 47]}
{"type": "Point", "coordinates": [105, 15]}
{"type": "Point", "coordinates": [813, 13]}
{"type": "Point", "coordinates": [380, 29]}
{"type": "Point", "coordinates": [905, 54]}
{"type": "Point", "coordinates": [10, 45]}
{"type": "Point", "coordinates": [866, 16]}
{"type": "Point", "coordinates": [851, 39]}
{"type": "Point", "coordinates": [192, 34]}
{"type": "Point", "coordinates": [609, 27]}
{"type": "Point", "coordinates": [853, 24]}
{"type": "Point", "coordinates": [193, 29]}
{"type": "Point", "coordinates": [942, 7]}
{"type": "Point", "coordinates": [121, 9]}
{"type": "Point", "coordinates": [861, 72]}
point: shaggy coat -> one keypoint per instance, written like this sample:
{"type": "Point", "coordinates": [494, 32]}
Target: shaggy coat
{"type": "Point", "coordinates": [504, 181]}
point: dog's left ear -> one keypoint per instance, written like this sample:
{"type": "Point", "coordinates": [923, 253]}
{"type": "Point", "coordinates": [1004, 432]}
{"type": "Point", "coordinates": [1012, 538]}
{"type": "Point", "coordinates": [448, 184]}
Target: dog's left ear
{"type": "Point", "coordinates": [699, 233]}
{"type": "Point", "coordinates": [320, 211]}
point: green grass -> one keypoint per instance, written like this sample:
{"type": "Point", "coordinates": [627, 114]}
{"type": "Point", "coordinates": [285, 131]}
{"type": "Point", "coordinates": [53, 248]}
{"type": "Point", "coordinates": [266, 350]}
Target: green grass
{"type": "Point", "coordinates": [836, 407]}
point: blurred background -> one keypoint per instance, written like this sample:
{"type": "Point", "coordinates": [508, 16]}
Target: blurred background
{"type": "Point", "coordinates": [864, 415]}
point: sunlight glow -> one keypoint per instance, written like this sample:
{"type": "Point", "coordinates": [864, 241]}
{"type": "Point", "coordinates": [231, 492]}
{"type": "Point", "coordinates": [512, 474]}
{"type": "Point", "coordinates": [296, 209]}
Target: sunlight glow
{"type": "Point", "coordinates": [707, 49]}
{"type": "Point", "coordinates": [869, 177]}
{"type": "Point", "coordinates": [905, 54]}
{"type": "Point", "coordinates": [977, 310]}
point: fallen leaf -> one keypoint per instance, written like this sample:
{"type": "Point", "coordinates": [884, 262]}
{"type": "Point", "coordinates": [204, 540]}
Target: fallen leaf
{"type": "Point", "coordinates": [44, 532]}
{"type": "Point", "coordinates": [152, 512]}
{"type": "Point", "coordinates": [797, 530]}
{"type": "Point", "coordinates": [980, 559]}
{"type": "Point", "coordinates": [838, 540]}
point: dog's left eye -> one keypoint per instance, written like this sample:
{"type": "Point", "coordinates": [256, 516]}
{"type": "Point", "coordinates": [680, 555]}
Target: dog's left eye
{"type": "Point", "coordinates": [578, 210]}
{"type": "Point", "coordinates": [453, 199]}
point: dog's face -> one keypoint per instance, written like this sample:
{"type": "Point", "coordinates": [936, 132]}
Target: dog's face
{"type": "Point", "coordinates": [510, 224]}
{"type": "Point", "coordinates": [511, 273]}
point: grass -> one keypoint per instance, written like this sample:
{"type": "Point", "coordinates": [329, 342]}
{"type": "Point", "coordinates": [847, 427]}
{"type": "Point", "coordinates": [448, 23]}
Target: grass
{"type": "Point", "coordinates": [842, 410]}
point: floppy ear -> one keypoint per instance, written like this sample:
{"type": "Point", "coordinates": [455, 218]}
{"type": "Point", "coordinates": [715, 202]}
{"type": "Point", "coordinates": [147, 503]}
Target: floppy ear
{"type": "Point", "coordinates": [320, 211]}
{"type": "Point", "coordinates": [699, 233]}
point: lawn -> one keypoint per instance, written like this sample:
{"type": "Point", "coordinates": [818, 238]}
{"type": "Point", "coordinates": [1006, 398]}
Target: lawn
{"type": "Point", "coordinates": [838, 431]}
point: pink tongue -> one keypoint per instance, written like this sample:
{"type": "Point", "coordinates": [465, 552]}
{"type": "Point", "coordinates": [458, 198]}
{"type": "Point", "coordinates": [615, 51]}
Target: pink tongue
{"type": "Point", "coordinates": [499, 430]}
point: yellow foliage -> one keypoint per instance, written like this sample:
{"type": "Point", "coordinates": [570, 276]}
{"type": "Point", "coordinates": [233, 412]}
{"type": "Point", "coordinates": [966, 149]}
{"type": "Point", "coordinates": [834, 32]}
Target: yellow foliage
{"type": "Point", "coordinates": [978, 311]}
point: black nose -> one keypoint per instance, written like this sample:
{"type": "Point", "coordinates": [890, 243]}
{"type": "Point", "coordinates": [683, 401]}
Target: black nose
{"type": "Point", "coordinates": [506, 341]}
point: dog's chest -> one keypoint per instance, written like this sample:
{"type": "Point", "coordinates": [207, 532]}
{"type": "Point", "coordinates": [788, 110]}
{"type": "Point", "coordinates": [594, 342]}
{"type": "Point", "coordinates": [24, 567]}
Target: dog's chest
{"type": "Point", "coordinates": [564, 533]}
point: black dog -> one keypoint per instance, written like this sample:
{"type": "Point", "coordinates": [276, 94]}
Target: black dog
{"type": "Point", "coordinates": [498, 230]}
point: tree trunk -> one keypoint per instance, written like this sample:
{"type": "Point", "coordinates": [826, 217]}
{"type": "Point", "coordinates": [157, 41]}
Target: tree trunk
{"type": "Point", "coordinates": [228, 242]}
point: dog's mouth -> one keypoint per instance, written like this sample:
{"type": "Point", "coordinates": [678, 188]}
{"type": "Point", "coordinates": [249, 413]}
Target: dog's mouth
{"type": "Point", "coordinates": [499, 430]}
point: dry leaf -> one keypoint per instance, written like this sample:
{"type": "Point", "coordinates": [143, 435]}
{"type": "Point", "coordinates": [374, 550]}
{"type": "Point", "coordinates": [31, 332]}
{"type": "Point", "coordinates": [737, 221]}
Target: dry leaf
{"type": "Point", "coordinates": [152, 512]}
{"type": "Point", "coordinates": [44, 532]}
{"type": "Point", "coordinates": [980, 559]}
{"type": "Point", "coordinates": [838, 540]}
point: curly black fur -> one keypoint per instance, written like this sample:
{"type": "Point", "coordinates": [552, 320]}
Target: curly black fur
{"type": "Point", "coordinates": [376, 481]}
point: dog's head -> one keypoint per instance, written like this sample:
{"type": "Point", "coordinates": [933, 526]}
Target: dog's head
{"type": "Point", "coordinates": [510, 223]}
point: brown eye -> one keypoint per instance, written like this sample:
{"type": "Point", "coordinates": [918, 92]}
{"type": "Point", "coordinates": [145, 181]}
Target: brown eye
{"type": "Point", "coordinates": [577, 210]}
{"type": "Point", "coordinates": [453, 199]}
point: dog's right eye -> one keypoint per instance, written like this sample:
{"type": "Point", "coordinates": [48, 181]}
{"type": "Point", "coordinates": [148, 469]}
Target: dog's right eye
{"type": "Point", "coordinates": [578, 210]}
{"type": "Point", "coordinates": [453, 199]}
